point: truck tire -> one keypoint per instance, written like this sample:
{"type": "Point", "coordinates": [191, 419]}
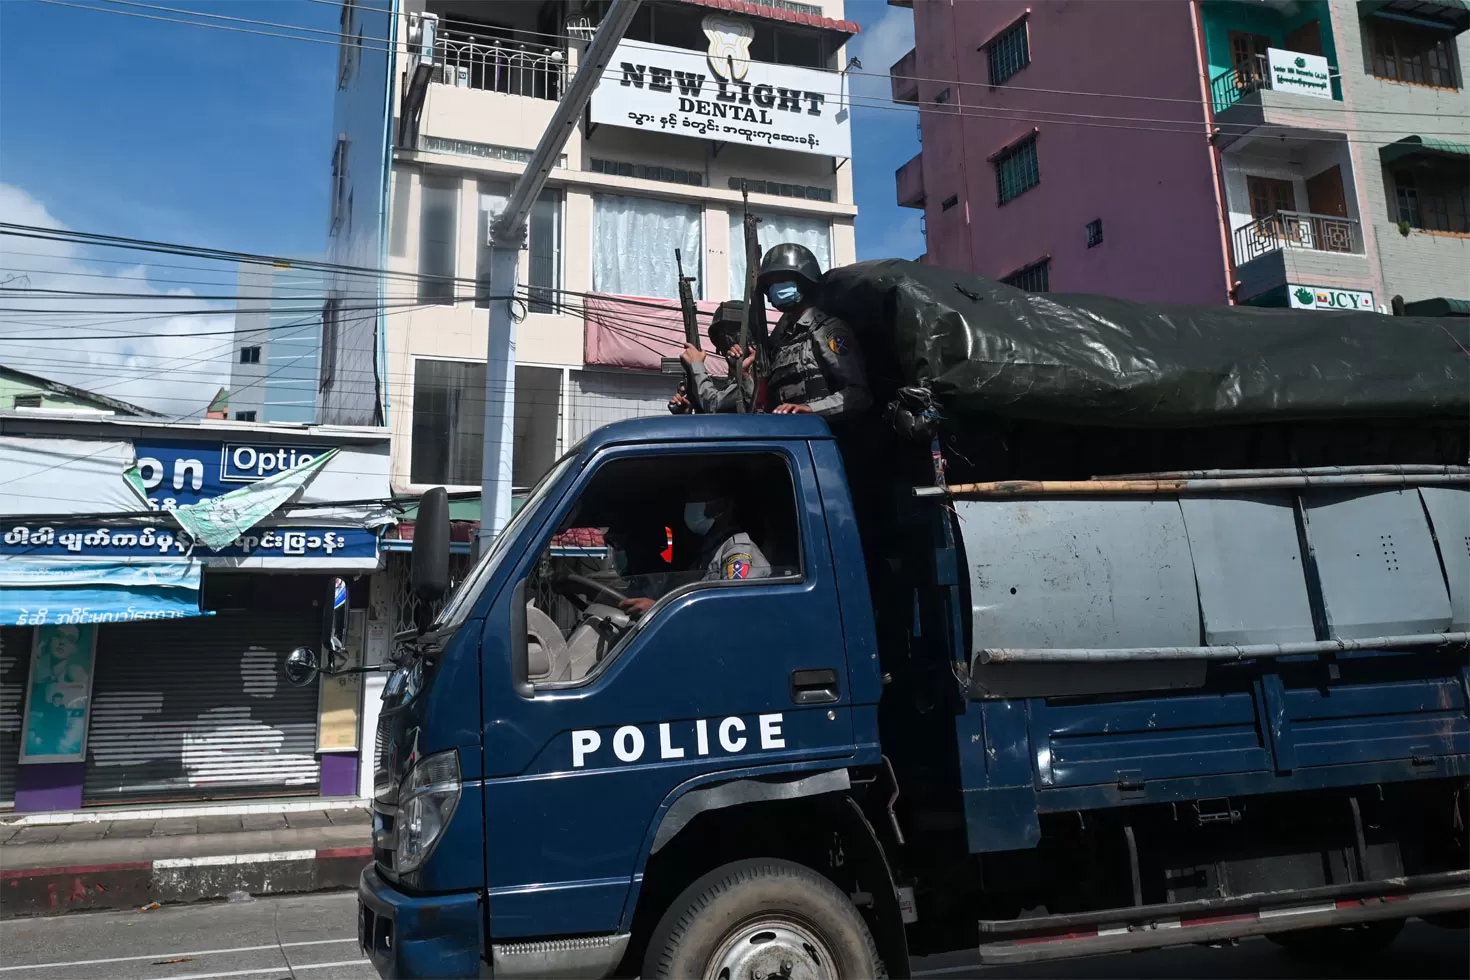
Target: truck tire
{"type": "Point", "coordinates": [1341, 943]}
{"type": "Point", "coordinates": [762, 918]}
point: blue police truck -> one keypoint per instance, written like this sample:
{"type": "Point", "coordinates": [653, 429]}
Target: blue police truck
{"type": "Point", "coordinates": [1035, 719]}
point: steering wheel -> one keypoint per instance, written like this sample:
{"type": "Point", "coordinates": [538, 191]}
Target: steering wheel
{"type": "Point", "coordinates": [575, 587]}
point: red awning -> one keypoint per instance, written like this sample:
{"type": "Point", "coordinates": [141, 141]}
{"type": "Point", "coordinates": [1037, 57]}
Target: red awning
{"type": "Point", "coordinates": [748, 8]}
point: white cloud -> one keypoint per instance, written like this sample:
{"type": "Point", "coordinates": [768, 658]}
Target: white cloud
{"type": "Point", "coordinates": [175, 370]}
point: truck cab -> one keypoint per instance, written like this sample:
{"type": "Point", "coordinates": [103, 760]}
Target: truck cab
{"type": "Point", "coordinates": [539, 745]}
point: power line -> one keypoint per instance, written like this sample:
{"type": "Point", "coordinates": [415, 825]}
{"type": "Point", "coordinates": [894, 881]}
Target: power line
{"type": "Point", "coordinates": [870, 102]}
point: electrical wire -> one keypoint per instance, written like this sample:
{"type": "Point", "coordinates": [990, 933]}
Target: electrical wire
{"type": "Point", "coordinates": [871, 102]}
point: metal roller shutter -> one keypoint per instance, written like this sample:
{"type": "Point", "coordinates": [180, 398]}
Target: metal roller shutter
{"type": "Point", "coordinates": [15, 665]}
{"type": "Point", "coordinates": [200, 709]}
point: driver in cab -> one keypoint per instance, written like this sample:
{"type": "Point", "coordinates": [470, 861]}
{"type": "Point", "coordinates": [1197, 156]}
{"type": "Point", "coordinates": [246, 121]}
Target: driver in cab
{"type": "Point", "coordinates": [724, 553]}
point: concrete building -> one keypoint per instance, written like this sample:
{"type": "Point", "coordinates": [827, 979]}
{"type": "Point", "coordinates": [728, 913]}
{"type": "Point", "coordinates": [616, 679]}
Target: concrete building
{"type": "Point", "coordinates": [1311, 153]}
{"type": "Point", "coordinates": [275, 371]}
{"type": "Point", "coordinates": [701, 98]}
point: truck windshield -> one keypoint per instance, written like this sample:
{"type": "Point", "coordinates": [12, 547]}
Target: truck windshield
{"type": "Point", "coordinates": [463, 599]}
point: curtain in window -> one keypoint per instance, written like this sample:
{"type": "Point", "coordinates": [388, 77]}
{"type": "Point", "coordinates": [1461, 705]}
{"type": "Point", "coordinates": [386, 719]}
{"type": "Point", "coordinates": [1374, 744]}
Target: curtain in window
{"type": "Point", "coordinates": [633, 242]}
{"type": "Point", "coordinates": [814, 233]}
{"type": "Point", "coordinates": [436, 239]}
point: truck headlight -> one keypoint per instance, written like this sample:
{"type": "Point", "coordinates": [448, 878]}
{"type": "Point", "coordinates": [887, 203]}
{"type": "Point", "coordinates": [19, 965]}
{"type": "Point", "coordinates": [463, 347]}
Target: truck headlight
{"type": "Point", "coordinates": [426, 800]}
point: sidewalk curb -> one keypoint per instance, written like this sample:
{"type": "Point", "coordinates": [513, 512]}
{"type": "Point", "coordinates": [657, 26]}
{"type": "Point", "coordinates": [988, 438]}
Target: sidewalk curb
{"type": "Point", "coordinates": [135, 884]}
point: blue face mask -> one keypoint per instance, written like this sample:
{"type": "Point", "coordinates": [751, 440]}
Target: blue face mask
{"type": "Point", "coordinates": [784, 295]}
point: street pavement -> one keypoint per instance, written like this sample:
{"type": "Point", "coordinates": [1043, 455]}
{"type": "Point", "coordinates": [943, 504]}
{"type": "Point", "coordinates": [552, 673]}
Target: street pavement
{"type": "Point", "coordinates": [313, 937]}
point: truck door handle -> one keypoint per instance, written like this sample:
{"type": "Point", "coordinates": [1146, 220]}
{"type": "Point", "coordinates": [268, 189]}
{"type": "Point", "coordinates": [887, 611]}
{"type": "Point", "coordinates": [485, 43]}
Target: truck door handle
{"type": "Point", "coordinates": [814, 686]}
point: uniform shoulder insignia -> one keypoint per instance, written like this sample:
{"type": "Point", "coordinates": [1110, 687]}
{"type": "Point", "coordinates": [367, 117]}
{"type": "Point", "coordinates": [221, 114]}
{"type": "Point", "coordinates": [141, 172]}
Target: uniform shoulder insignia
{"type": "Point", "coordinates": [839, 342]}
{"type": "Point", "coordinates": [737, 566]}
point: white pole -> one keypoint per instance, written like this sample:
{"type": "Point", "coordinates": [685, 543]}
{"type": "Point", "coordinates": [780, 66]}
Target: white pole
{"type": "Point", "coordinates": [507, 235]}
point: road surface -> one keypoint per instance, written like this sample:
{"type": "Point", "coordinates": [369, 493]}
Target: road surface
{"type": "Point", "coordinates": [313, 937]}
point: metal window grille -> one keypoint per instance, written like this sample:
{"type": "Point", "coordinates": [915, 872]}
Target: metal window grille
{"type": "Point", "coordinates": [1034, 278]}
{"type": "Point", "coordinates": [1008, 53]}
{"type": "Point", "coordinates": [669, 175]}
{"type": "Point", "coordinates": [1094, 233]}
{"type": "Point", "coordinates": [942, 98]}
{"type": "Point", "coordinates": [1016, 171]}
{"type": "Point", "coordinates": [776, 189]}
{"type": "Point", "coordinates": [949, 202]}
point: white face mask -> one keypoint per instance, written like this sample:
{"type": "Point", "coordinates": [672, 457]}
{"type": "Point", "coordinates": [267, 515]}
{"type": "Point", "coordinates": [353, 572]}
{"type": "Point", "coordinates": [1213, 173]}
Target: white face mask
{"type": "Point", "coordinates": [695, 519]}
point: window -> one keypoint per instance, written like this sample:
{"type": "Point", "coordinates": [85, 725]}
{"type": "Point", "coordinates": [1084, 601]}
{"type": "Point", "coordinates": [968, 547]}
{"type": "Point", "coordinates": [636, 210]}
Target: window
{"type": "Point", "coordinates": [1270, 196]}
{"type": "Point", "coordinates": [1433, 199]}
{"type": "Point", "coordinates": [1034, 278]}
{"type": "Point", "coordinates": [448, 423]}
{"type": "Point", "coordinates": [949, 202]}
{"type": "Point", "coordinates": [349, 46]}
{"type": "Point", "coordinates": [942, 98]}
{"type": "Point", "coordinates": [1008, 53]}
{"type": "Point", "coordinates": [331, 335]}
{"type": "Point", "coordinates": [27, 401]}
{"type": "Point", "coordinates": [642, 171]}
{"type": "Point", "coordinates": [633, 242]}
{"type": "Point", "coordinates": [543, 239]}
{"type": "Point", "coordinates": [245, 416]}
{"type": "Point", "coordinates": [437, 227]}
{"type": "Point", "coordinates": [249, 355]}
{"type": "Point", "coordinates": [1410, 53]}
{"type": "Point", "coordinates": [341, 195]}
{"type": "Point", "coordinates": [1016, 170]}
{"type": "Point", "coordinates": [773, 229]}
{"type": "Point", "coordinates": [625, 547]}
{"type": "Point", "coordinates": [1094, 233]}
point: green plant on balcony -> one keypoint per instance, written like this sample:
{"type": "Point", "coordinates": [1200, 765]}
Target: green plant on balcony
{"type": "Point", "coordinates": [1404, 228]}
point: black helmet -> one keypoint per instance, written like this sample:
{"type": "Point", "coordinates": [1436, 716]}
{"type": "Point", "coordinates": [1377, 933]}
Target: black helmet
{"type": "Point", "coordinates": [789, 259]}
{"type": "Point", "coordinates": [724, 327]}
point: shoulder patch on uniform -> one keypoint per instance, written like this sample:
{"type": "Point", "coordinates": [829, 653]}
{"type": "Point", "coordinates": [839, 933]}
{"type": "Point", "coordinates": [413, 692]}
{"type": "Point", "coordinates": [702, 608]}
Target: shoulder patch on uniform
{"type": "Point", "coordinates": [737, 565]}
{"type": "Point", "coordinates": [840, 342]}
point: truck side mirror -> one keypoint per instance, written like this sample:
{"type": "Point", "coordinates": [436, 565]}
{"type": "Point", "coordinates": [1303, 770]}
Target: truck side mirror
{"type": "Point", "coordinates": [428, 572]}
{"type": "Point", "coordinates": [301, 667]}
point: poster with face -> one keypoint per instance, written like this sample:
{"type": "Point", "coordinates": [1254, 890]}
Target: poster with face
{"type": "Point", "coordinates": [59, 695]}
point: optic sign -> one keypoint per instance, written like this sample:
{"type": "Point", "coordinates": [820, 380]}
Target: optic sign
{"type": "Point", "coordinates": [676, 740]}
{"type": "Point", "coordinates": [185, 472]}
{"type": "Point", "coordinates": [1304, 74]}
{"type": "Point", "coordinates": [1328, 298]}
{"type": "Point", "coordinates": [722, 96]}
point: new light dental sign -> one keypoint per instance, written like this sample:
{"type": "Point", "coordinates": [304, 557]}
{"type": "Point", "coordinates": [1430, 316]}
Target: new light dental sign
{"type": "Point", "coordinates": [721, 96]}
{"type": "Point", "coordinates": [1302, 74]}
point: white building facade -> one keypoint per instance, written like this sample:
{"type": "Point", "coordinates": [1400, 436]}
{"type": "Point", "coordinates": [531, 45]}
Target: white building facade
{"type": "Point", "coordinates": [698, 103]}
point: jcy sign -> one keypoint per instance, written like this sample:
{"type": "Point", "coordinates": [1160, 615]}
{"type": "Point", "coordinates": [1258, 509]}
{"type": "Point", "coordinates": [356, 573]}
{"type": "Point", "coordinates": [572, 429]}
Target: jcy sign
{"type": "Point", "coordinates": [1303, 74]}
{"type": "Point", "coordinates": [1324, 298]}
{"type": "Point", "coordinates": [714, 96]}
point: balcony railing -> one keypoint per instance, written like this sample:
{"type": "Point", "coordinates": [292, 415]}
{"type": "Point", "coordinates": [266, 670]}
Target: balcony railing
{"type": "Point", "coordinates": [1295, 229]}
{"type": "Point", "coordinates": [492, 64]}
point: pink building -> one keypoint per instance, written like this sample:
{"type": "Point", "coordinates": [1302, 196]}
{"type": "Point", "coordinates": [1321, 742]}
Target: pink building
{"type": "Point", "coordinates": [1177, 150]}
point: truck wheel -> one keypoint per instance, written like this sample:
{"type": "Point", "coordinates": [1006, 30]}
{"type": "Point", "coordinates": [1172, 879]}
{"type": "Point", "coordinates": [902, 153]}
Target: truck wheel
{"type": "Point", "coordinates": [762, 918]}
{"type": "Point", "coordinates": [1341, 943]}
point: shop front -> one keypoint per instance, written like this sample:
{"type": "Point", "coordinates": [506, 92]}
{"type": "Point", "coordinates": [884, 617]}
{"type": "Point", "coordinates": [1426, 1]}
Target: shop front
{"type": "Point", "coordinates": [144, 633]}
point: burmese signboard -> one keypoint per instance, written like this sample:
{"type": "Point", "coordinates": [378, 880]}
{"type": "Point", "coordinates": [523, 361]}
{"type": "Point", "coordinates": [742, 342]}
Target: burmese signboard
{"type": "Point", "coordinates": [1301, 74]}
{"type": "Point", "coordinates": [713, 95]}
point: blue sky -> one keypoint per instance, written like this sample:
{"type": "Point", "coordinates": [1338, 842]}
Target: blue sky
{"type": "Point", "coordinates": [179, 133]}
{"type": "Point", "coordinates": [171, 132]}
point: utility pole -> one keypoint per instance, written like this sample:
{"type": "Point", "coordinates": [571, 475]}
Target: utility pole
{"type": "Point", "coordinates": [507, 235]}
